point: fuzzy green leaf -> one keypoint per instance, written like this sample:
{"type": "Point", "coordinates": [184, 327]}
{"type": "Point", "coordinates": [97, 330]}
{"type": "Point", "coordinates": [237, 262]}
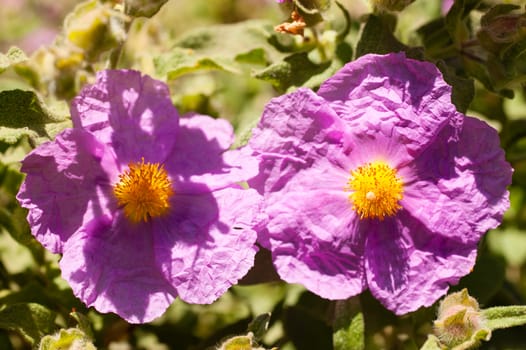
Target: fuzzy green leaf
{"type": "Point", "coordinates": [23, 113]}
{"type": "Point", "coordinates": [505, 316]}
{"type": "Point", "coordinates": [293, 71]}
{"type": "Point", "coordinates": [463, 88]}
{"type": "Point", "coordinates": [13, 56]}
{"type": "Point", "coordinates": [221, 47]}
{"type": "Point", "coordinates": [32, 321]}
{"type": "Point", "coordinates": [378, 37]}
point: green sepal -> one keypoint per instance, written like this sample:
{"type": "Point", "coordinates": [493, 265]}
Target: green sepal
{"type": "Point", "coordinates": [259, 326]}
{"type": "Point", "coordinates": [83, 324]}
{"type": "Point", "coordinates": [432, 343]}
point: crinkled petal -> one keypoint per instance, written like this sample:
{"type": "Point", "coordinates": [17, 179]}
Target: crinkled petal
{"type": "Point", "coordinates": [111, 266]}
{"type": "Point", "coordinates": [459, 190]}
{"type": "Point", "coordinates": [295, 130]}
{"type": "Point", "coordinates": [315, 241]}
{"type": "Point", "coordinates": [65, 187]}
{"type": "Point", "coordinates": [392, 96]}
{"type": "Point", "coordinates": [409, 266]}
{"type": "Point", "coordinates": [313, 232]}
{"type": "Point", "coordinates": [208, 243]}
{"type": "Point", "coordinates": [201, 157]}
{"type": "Point", "coordinates": [130, 112]}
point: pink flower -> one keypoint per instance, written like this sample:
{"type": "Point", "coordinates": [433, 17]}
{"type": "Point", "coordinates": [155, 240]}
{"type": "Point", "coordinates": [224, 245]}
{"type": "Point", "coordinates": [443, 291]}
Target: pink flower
{"type": "Point", "coordinates": [377, 182]}
{"type": "Point", "coordinates": [142, 205]}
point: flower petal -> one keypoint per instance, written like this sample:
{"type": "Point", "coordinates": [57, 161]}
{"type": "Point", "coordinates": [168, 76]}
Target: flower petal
{"type": "Point", "coordinates": [65, 187]}
{"type": "Point", "coordinates": [409, 266]}
{"type": "Point", "coordinates": [303, 251]}
{"type": "Point", "coordinates": [459, 190]}
{"type": "Point", "coordinates": [200, 156]}
{"type": "Point", "coordinates": [313, 233]}
{"type": "Point", "coordinates": [101, 264]}
{"type": "Point", "coordinates": [393, 96]}
{"type": "Point", "coordinates": [295, 130]}
{"type": "Point", "coordinates": [208, 244]}
{"type": "Point", "coordinates": [131, 112]}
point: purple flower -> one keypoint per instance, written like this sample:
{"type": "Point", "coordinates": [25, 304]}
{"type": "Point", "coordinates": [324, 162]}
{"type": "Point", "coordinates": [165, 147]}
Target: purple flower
{"type": "Point", "coordinates": [143, 205]}
{"type": "Point", "coordinates": [377, 182]}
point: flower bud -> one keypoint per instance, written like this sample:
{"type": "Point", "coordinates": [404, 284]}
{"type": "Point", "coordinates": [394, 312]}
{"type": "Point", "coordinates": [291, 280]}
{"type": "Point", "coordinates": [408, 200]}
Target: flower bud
{"type": "Point", "coordinates": [94, 28]}
{"type": "Point", "coordinates": [67, 339]}
{"type": "Point", "coordinates": [460, 324]}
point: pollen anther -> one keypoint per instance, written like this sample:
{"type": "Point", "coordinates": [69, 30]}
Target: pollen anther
{"type": "Point", "coordinates": [376, 190]}
{"type": "Point", "coordinates": [144, 191]}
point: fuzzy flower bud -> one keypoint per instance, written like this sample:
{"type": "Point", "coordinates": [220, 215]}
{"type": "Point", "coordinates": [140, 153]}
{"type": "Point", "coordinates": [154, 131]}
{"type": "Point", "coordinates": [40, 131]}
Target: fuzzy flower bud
{"type": "Point", "coordinates": [460, 324]}
{"type": "Point", "coordinates": [67, 339]}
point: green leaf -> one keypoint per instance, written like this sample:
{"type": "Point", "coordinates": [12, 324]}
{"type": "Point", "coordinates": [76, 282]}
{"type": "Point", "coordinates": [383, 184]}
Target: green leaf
{"type": "Point", "coordinates": [221, 47]}
{"type": "Point", "coordinates": [32, 321]}
{"type": "Point", "coordinates": [352, 337]}
{"type": "Point", "coordinates": [463, 88]}
{"type": "Point", "coordinates": [13, 56]}
{"type": "Point", "coordinates": [348, 325]}
{"type": "Point", "coordinates": [456, 20]}
{"type": "Point", "coordinates": [23, 113]}
{"type": "Point", "coordinates": [295, 70]}
{"type": "Point", "coordinates": [377, 36]}
{"type": "Point", "coordinates": [143, 8]}
{"type": "Point", "coordinates": [505, 316]}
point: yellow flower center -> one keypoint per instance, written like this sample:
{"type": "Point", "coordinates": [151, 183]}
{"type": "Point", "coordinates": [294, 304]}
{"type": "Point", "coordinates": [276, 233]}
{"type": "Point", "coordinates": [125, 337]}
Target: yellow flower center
{"type": "Point", "coordinates": [375, 190]}
{"type": "Point", "coordinates": [144, 191]}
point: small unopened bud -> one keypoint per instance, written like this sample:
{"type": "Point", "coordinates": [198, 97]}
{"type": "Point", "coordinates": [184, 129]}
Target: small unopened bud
{"type": "Point", "coordinates": [67, 339]}
{"type": "Point", "coordinates": [391, 5]}
{"type": "Point", "coordinates": [460, 324]}
{"type": "Point", "coordinates": [94, 27]}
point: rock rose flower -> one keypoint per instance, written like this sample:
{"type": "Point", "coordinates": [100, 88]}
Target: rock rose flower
{"type": "Point", "coordinates": [142, 205]}
{"type": "Point", "coordinates": [377, 182]}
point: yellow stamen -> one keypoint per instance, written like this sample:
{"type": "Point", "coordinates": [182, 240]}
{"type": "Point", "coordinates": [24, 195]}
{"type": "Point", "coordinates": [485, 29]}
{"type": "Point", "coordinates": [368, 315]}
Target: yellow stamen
{"type": "Point", "coordinates": [376, 190]}
{"type": "Point", "coordinates": [144, 191]}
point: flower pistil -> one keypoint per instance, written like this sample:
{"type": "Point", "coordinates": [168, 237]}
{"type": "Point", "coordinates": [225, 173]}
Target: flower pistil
{"type": "Point", "coordinates": [375, 190]}
{"type": "Point", "coordinates": [144, 191]}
